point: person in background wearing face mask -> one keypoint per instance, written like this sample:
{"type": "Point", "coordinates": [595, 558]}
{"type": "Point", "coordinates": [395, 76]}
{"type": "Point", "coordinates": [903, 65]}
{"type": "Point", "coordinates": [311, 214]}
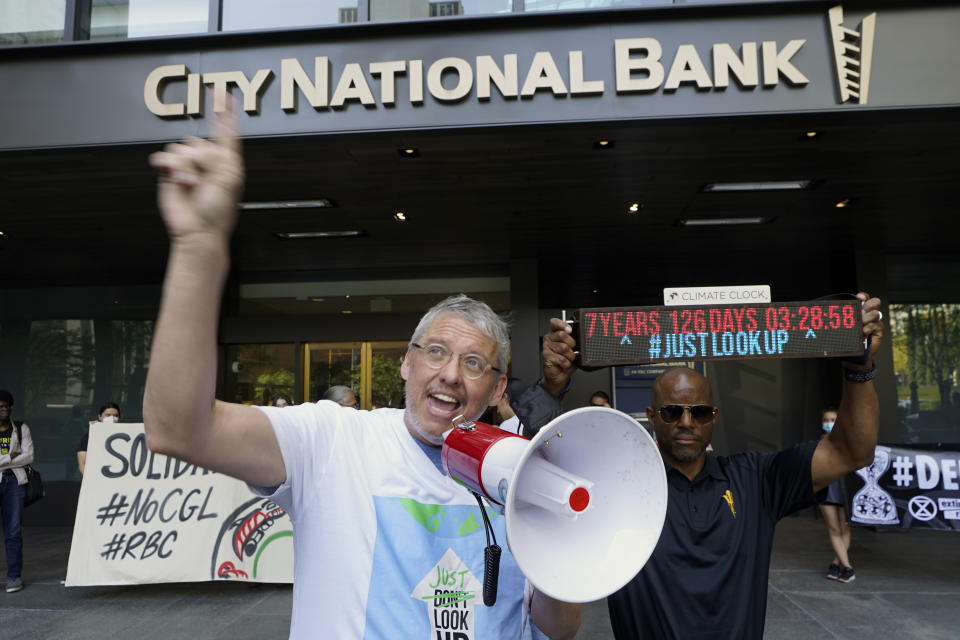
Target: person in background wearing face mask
{"type": "Point", "coordinates": [834, 514]}
{"type": "Point", "coordinates": [110, 412]}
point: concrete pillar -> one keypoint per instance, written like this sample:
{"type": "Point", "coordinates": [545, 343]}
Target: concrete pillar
{"type": "Point", "coordinates": [872, 278]}
{"type": "Point", "coordinates": [525, 328]}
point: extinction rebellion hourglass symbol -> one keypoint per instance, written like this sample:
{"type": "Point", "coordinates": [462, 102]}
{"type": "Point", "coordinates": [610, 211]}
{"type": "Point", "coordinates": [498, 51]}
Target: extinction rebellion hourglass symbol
{"type": "Point", "coordinates": [873, 505]}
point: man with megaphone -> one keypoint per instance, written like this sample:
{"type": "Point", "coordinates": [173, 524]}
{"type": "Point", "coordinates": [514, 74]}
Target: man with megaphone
{"type": "Point", "coordinates": [386, 545]}
{"type": "Point", "coordinates": [707, 576]}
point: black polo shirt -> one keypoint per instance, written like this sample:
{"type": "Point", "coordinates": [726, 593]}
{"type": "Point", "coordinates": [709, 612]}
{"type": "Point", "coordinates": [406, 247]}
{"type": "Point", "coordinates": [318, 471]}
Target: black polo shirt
{"type": "Point", "coordinates": [707, 577]}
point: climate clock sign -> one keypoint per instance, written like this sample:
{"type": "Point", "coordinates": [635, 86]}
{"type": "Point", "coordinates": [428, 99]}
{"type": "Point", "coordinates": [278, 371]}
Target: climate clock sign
{"type": "Point", "coordinates": [613, 336]}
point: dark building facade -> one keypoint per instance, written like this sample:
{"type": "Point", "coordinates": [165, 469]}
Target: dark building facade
{"type": "Point", "coordinates": [545, 157]}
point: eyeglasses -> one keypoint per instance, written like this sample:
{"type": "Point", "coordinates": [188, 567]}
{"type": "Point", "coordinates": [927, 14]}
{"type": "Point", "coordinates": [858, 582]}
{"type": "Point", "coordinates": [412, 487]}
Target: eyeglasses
{"type": "Point", "coordinates": [472, 366]}
{"type": "Point", "coordinates": [701, 413]}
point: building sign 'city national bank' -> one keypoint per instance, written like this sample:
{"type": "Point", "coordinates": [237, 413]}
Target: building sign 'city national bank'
{"type": "Point", "coordinates": [640, 65]}
{"type": "Point", "coordinates": [600, 66]}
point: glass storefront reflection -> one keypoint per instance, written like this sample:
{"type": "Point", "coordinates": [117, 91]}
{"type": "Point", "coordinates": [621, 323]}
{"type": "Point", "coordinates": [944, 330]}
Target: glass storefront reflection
{"type": "Point", "coordinates": [258, 373]}
{"type": "Point", "coordinates": [926, 361]}
{"type": "Point", "coordinates": [250, 15]}
{"type": "Point", "coordinates": [330, 364]}
{"type": "Point", "coordinates": [371, 369]}
{"type": "Point", "coordinates": [387, 10]}
{"type": "Point", "coordinates": [145, 18]}
{"type": "Point", "coordinates": [573, 5]}
{"type": "Point", "coordinates": [73, 367]}
{"type": "Point", "coordinates": [31, 21]}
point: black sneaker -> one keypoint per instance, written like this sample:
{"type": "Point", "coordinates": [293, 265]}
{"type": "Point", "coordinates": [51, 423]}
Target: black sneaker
{"type": "Point", "coordinates": [847, 575]}
{"type": "Point", "coordinates": [833, 573]}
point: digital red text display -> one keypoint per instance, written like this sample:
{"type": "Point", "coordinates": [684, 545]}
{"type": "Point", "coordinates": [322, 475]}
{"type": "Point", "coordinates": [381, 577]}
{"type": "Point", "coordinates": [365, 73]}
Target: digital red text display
{"type": "Point", "coordinates": [640, 335]}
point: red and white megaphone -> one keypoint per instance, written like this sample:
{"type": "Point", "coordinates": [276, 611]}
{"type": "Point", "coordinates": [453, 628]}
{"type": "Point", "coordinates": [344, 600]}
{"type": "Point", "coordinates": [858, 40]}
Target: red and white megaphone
{"type": "Point", "coordinates": [584, 500]}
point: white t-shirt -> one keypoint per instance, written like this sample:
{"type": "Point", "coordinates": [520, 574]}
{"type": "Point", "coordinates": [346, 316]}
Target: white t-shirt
{"type": "Point", "coordinates": [386, 546]}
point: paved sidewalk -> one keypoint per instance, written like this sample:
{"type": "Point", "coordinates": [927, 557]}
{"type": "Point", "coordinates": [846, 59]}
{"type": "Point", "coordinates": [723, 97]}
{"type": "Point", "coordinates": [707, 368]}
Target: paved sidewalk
{"type": "Point", "coordinates": [907, 586]}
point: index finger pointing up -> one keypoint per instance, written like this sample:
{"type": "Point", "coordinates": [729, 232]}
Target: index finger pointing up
{"type": "Point", "coordinates": [223, 129]}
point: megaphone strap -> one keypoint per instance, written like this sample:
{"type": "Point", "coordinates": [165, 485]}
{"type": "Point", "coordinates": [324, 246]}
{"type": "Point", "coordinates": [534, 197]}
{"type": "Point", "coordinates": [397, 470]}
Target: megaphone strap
{"type": "Point", "coordinates": [491, 558]}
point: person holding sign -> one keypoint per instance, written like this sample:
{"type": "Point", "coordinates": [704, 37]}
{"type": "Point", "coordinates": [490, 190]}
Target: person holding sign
{"type": "Point", "coordinates": [109, 413]}
{"type": "Point", "coordinates": [385, 544]}
{"type": "Point", "coordinates": [707, 577]}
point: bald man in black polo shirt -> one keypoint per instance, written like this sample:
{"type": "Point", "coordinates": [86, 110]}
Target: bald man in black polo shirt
{"type": "Point", "coordinates": [707, 577]}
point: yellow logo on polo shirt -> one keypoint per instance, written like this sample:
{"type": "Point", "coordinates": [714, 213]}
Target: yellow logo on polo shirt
{"type": "Point", "coordinates": [729, 498]}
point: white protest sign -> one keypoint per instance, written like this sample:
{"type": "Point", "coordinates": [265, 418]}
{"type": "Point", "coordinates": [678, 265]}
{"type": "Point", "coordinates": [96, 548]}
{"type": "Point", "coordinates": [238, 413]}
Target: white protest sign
{"type": "Point", "coordinates": [144, 517]}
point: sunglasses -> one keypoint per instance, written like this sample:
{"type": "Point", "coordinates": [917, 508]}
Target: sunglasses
{"type": "Point", "coordinates": [701, 413]}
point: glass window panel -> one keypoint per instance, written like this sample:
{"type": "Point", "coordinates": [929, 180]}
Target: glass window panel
{"type": "Point", "coordinates": [257, 373]}
{"type": "Point", "coordinates": [387, 386]}
{"type": "Point", "coordinates": [59, 381]}
{"type": "Point", "coordinates": [926, 362]}
{"type": "Point", "coordinates": [331, 364]}
{"type": "Point", "coordinates": [31, 21]}
{"type": "Point", "coordinates": [572, 5]}
{"type": "Point", "coordinates": [145, 18]}
{"type": "Point", "coordinates": [242, 15]}
{"type": "Point", "coordinates": [72, 368]}
{"type": "Point", "coordinates": [130, 358]}
{"type": "Point", "coordinates": [386, 10]}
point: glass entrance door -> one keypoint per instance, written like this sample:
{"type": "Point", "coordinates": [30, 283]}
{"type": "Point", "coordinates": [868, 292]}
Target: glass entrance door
{"type": "Point", "coordinates": [371, 369]}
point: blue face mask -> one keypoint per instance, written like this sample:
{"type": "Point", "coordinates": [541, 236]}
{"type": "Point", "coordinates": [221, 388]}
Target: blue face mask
{"type": "Point", "coordinates": [827, 427]}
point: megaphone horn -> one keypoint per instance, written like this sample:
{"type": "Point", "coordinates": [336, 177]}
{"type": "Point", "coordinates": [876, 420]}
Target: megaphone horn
{"type": "Point", "coordinates": [484, 457]}
{"type": "Point", "coordinates": [584, 501]}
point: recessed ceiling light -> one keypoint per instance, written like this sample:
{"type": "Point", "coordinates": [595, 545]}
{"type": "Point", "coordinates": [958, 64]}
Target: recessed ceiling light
{"type": "Point", "coordinates": [304, 235]}
{"type": "Point", "coordinates": [810, 135]}
{"type": "Point", "coordinates": [763, 185]}
{"type": "Point", "coordinates": [709, 222]}
{"type": "Point", "coordinates": [346, 311]}
{"type": "Point", "coordinates": [843, 203]}
{"type": "Point", "coordinates": [347, 296]}
{"type": "Point", "coordinates": [318, 299]}
{"type": "Point", "coordinates": [400, 216]}
{"type": "Point", "coordinates": [635, 207]}
{"type": "Point", "coordinates": [319, 203]}
{"type": "Point", "coordinates": [604, 143]}
{"type": "Point", "coordinates": [1, 233]}
{"type": "Point", "coordinates": [595, 290]}
{"type": "Point", "coordinates": [409, 152]}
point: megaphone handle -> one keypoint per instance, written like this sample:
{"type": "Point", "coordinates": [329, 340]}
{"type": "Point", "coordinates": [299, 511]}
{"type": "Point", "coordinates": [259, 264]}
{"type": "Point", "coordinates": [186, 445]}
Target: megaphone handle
{"type": "Point", "coordinates": [491, 574]}
{"type": "Point", "coordinates": [491, 558]}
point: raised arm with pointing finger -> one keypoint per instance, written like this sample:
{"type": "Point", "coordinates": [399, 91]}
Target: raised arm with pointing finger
{"type": "Point", "coordinates": [386, 545]}
{"type": "Point", "coordinates": [199, 184]}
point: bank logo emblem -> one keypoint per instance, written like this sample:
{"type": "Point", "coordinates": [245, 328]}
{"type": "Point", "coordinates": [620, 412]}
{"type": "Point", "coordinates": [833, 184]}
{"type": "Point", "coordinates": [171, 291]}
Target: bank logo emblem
{"type": "Point", "coordinates": [852, 54]}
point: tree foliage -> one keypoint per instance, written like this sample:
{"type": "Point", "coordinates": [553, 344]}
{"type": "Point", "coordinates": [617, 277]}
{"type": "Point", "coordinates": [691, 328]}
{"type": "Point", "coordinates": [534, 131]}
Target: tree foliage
{"type": "Point", "coordinates": [926, 342]}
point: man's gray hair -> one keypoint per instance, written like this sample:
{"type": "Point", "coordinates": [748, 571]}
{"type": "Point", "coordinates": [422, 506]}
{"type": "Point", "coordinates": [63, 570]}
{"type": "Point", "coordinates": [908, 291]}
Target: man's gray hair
{"type": "Point", "coordinates": [479, 315]}
{"type": "Point", "coordinates": [338, 393]}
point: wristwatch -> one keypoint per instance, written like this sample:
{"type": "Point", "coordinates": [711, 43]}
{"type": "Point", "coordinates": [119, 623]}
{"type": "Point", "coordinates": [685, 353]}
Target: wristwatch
{"type": "Point", "coordinates": [860, 375]}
